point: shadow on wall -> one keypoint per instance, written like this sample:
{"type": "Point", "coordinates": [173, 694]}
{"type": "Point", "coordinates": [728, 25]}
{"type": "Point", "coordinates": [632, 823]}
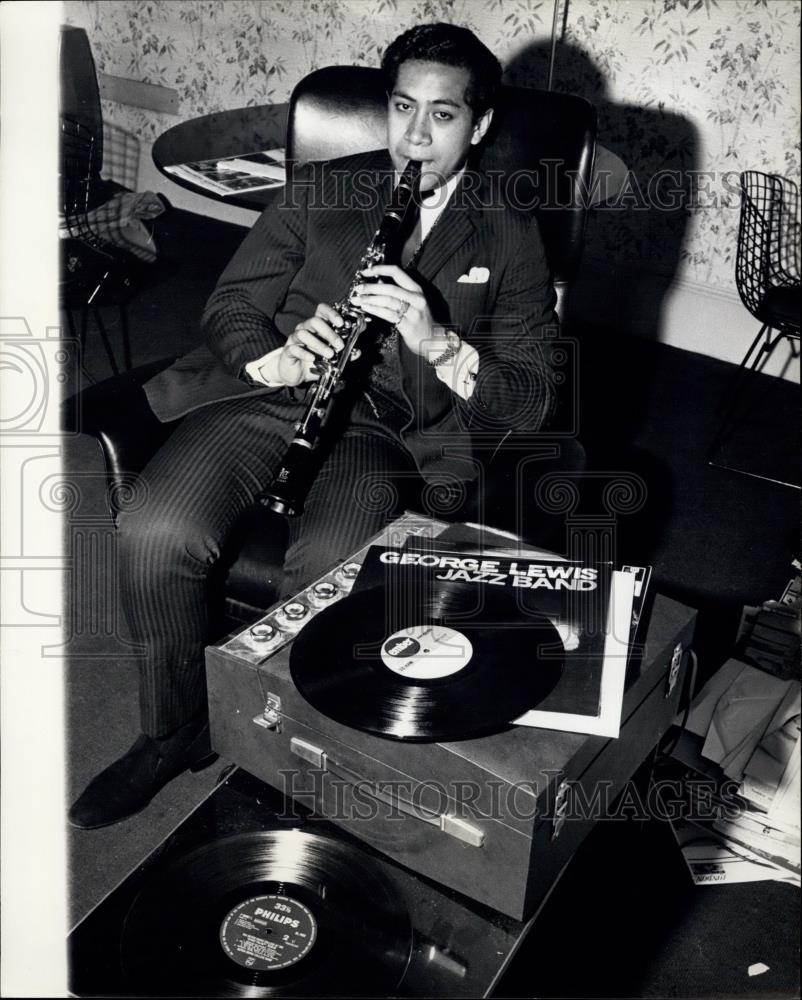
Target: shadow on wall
{"type": "Point", "coordinates": [634, 238]}
{"type": "Point", "coordinates": [641, 195]}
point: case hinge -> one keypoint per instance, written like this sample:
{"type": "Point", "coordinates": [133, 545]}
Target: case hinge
{"type": "Point", "coordinates": [271, 716]}
{"type": "Point", "coordinates": [673, 670]}
{"type": "Point", "coordinates": [560, 809]}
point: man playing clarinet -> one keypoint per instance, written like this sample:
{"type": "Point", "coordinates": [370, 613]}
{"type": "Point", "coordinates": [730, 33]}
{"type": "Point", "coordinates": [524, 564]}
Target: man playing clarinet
{"type": "Point", "coordinates": [451, 353]}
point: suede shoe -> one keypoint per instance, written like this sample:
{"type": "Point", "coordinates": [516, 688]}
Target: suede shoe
{"type": "Point", "coordinates": [128, 785]}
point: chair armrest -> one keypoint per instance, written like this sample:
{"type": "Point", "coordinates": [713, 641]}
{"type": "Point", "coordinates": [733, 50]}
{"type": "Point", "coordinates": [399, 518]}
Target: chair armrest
{"type": "Point", "coordinates": [511, 475]}
{"type": "Point", "coordinates": [117, 414]}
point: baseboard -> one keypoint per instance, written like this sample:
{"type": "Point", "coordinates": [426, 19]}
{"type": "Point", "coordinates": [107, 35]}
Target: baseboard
{"type": "Point", "coordinates": [649, 303]}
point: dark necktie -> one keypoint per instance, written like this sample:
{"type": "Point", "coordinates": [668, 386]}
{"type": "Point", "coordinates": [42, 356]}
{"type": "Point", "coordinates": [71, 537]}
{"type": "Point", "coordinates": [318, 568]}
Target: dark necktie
{"type": "Point", "coordinates": [411, 243]}
{"type": "Point", "coordinates": [384, 376]}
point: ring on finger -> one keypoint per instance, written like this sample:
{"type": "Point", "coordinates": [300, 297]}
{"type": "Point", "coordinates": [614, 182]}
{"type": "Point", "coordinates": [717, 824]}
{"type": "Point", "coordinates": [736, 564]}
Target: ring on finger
{"type": "Point", "coordinates": [402, 311]}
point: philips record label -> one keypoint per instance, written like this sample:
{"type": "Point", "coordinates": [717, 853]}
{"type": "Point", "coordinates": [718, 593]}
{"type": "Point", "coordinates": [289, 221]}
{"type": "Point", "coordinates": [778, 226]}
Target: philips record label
{"type": "Point", "coordinates": [268, 932]}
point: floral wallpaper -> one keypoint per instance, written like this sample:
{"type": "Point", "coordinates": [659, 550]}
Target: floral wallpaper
{"type": "Point", "coordinates": [689, 92]}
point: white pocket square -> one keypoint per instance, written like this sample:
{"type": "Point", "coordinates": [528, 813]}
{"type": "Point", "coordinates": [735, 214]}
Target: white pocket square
{"type": "Point", "coordinates": [476, 276]}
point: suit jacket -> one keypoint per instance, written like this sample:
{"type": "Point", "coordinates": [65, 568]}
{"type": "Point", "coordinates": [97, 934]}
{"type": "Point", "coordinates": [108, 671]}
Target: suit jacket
{"type": "Point", "coordinates": [304, 250]}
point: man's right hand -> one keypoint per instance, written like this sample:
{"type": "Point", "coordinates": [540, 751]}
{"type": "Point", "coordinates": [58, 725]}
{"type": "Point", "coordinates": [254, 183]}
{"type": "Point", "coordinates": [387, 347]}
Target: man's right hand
{"type": "Point", "coordinates": [313, 338]}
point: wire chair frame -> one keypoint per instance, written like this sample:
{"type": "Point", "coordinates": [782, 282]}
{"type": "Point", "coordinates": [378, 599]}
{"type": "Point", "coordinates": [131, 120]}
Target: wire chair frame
{"type": "Point", "coordinates": [767, 276]}
{"type": "Point", "coordinates": [79, 172]}
{"type": "Point", "coordinates": [768, 240]}
{"type": "Point", "coordinates": [78, 168]}
{"type": "Point", "coordinates": [785, 264]}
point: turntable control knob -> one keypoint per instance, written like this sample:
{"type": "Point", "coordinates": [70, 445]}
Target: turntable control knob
{"type": "Point", "coordinates": [294, 611]}
{"type": "Point", "coordinates": [263, 632]}
{"type": "Point", "coordinates": [322, 593]}
{"type": "Point", "coordinates": [348, 572]}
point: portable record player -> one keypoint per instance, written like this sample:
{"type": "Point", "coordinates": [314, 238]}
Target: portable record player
{"type": "Point", "coordinates": [246, 898]}
{"type": "Point", "coordinates": [494, 817]}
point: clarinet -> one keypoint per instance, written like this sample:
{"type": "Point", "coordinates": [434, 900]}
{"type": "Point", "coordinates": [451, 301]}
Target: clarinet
{"type": "Point", "coordinates": [291, 481]}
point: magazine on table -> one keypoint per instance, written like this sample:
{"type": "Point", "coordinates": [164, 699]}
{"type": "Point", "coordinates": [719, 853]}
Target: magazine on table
{"type": "Point", "coordinates": [232, 175]}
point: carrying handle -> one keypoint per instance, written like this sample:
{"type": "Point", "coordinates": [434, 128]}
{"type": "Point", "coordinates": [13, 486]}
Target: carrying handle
{"type": "Point", "coordinates": [448, 823]}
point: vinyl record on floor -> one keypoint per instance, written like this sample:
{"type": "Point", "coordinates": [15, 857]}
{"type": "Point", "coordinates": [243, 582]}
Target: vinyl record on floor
{"type": "Point", "coordinates": [452, 663]}
{"type": "Point", "coordinates": [263, 914]}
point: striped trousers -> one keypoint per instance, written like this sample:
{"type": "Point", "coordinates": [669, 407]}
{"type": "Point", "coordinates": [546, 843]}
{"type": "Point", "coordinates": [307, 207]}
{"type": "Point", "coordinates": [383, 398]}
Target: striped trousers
{"type": "Point", "coordinates": [196, 486]}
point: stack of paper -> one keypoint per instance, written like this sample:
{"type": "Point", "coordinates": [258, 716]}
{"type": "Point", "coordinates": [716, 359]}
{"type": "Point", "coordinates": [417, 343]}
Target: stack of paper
{"type": "Point", "coordinates": [750, 723]}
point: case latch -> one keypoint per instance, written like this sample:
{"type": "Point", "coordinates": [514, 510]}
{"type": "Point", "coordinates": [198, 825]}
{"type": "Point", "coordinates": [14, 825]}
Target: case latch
{"type": "Point", "coordinates": [309, 752]}
{"type": "Point", "coordinates": [454, 826]}
{"type": "Point", "coordinates": [271, 716]}
{"type": "Point", "coordinates": [560, 809]}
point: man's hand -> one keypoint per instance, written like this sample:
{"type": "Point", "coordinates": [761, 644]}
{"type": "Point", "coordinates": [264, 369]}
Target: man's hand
{"type": "Point", "coordinates": [313, 338]}
{"type": "Point", "coordinates": [402, 304]}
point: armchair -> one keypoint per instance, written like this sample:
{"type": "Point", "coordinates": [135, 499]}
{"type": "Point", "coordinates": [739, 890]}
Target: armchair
{"type": "Point", "coordinates": [548, 138]}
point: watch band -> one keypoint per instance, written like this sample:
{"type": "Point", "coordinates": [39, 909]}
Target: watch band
{"type": "Point", "coordinates": [454, 344]}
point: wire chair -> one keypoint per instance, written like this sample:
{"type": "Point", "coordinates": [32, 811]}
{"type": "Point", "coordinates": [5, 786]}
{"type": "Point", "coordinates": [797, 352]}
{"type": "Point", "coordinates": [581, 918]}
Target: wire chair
{"type": "Point", "coordinates": [767, 264]}
{"type": "Point", "coordinates": [91, 267]}
{"type": "Point", "coordinates": [767, 275]}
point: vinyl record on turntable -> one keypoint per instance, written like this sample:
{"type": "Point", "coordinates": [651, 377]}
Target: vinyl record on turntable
{"type": "Point", "coordinates": [264, 914]}
{"type": "Point", "coordinates": [430, 669]}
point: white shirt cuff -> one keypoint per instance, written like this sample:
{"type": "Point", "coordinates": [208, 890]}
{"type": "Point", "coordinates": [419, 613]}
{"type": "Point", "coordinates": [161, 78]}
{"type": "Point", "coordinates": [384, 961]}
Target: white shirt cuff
{"type": "Point", "coordinates": [458, 373]}
{"type": "Point", "coordinates": [265, 369]}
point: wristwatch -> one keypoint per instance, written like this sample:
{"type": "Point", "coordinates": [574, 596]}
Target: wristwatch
{"type": "Point", "coordinates": [454, 344]}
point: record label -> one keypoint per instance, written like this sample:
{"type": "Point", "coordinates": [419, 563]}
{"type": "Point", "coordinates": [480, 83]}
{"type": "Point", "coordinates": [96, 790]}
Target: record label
{"type": "Point", "coordinates": [427, 652]}
{"type": "Point", "coordinates": [268, 932]}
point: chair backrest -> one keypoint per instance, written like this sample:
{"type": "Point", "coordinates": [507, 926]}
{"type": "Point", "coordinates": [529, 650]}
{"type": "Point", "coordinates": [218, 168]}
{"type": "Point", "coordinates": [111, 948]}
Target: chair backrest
{"type": "Point", "coordinates": [541, 142]}
{"type": "Point", "coordinates": [76, 176]}
{"type": "Point", "coordinates": [79, 94]}
{"type": "Point", "coordinates": [768, 239]}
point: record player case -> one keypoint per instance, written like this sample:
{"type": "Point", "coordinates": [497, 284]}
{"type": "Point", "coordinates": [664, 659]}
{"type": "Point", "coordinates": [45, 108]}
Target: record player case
{"type": "Point", "coordinates": [495, 818]}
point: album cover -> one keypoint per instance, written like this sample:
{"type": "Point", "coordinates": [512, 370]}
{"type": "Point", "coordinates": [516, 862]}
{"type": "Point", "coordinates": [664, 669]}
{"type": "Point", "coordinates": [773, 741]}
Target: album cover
{"type": "Point", "coordinates": [642, 577]}
{"type": "Point", "coordinates": [589, 605]}
{"type": "Point", "coordinates": [493, 541]}
{"type": "Point", "coordinates": [486, 540]}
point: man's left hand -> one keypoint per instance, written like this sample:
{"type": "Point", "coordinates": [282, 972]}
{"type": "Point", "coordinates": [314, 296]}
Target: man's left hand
{"type": "Point", "coordinates": [401, 304]}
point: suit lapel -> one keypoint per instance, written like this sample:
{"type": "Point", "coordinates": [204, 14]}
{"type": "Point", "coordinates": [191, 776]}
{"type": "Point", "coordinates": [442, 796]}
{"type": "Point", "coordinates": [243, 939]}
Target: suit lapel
{"type": "Point", "coordinates": [380, 190]}
{"type": "Point", "coordinates": [455, 226]}
{"type": "Point", "coordinates": [452, 229]}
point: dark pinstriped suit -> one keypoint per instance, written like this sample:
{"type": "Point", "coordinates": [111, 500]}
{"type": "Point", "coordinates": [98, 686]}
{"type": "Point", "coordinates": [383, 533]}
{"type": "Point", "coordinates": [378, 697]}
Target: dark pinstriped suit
{"type": "Point", "coordinates": [226, 450]}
